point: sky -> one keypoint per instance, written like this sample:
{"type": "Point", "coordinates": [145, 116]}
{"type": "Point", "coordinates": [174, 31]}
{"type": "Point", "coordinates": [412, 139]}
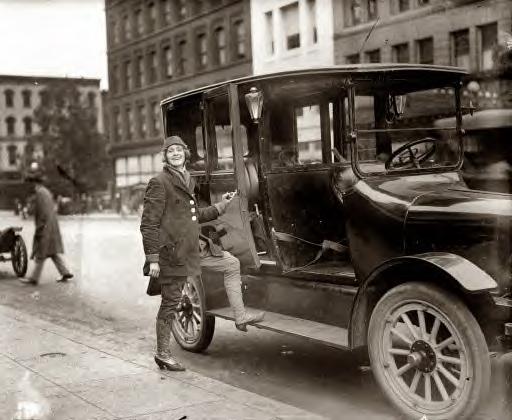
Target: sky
{"type": "Point", "coordinates": [53, 38]}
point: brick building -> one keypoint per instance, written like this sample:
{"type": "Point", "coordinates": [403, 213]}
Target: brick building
{"type": "Point", "coordinates": [157, 48]}
{"type": "Point", "coordinates": [464, 33]}
{"type": "Point", "coordinates": [20, 96]}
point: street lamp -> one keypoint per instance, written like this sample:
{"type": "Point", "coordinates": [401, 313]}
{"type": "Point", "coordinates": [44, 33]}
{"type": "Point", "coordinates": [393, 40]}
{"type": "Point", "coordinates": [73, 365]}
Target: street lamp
{"type": "Point", "coordinates": [254, 101]}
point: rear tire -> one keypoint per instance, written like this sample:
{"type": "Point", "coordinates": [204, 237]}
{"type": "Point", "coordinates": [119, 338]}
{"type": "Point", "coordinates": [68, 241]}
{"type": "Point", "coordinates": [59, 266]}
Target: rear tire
{"type": "Point", "coordinates": [428, 353]}
{"type": "Point", "coordinates": [19, 258]}
{"type": "Point", "coordinates": [192, 329]}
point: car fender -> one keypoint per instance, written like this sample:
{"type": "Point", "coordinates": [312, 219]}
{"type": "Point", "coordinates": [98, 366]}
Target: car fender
{"type": "Point", "coordinates": [442, 268]}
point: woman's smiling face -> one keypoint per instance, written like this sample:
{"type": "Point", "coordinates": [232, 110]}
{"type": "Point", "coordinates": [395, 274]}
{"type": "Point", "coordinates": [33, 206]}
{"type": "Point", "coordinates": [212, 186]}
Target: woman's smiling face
{"type": "Point", "coordinates": [175, 156]}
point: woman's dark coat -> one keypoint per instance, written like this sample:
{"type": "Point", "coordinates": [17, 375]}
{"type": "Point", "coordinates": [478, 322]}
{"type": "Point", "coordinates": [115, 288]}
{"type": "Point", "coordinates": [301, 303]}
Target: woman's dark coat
{"type": "Point", "coordinates": [47, 239]}
{"type": "Point", "coordinates": [170, 226]}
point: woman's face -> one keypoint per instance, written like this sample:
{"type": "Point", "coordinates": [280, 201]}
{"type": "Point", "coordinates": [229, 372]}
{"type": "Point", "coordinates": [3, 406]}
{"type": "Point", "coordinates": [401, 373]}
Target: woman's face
{"type": "Point", "coordinates": [175, 156]}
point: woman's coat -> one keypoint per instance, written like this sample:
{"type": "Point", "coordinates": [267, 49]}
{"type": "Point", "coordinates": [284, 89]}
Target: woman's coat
{"type": "Point", "coordinates": [170, 226]}
{"type": "Point", "coordinates": [47, 238]}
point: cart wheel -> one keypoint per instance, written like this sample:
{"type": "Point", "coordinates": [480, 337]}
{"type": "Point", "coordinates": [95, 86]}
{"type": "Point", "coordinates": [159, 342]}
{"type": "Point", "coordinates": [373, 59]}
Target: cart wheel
{"type": "Point", "coordinates": [428, 353]}
{"type": "Point", "coordinates": [192, 328]}
{"type": "Point", "coordinates": [19, 256]}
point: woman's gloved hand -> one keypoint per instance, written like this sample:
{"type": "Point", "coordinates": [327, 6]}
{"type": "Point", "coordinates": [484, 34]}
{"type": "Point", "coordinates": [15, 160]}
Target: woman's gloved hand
{"type": "Point", "coordinates": [154, 269]}
{"type": "Point", "coordinates": [226, 199]}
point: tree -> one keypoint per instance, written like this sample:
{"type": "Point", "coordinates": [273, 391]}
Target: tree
{"type": "Point", "coordinates": [74, 157]}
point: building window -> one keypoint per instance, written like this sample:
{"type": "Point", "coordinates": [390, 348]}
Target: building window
{"type": "Point", "coordinates": [372, 56]}
{"type": "Point", "coordinates": [12, 152]}
{"type": "Point", "coordinates": [117, 126]}
{"type": "Point", "coordinates": [425, 51]}
{"type": "Point", "coordinates": [91, 99]}
{"type": "Point", "coordinates": [128, 79]}
{"type": "Point", "coordinates": [371, 7]}
{"type": "Point", "coordinates": [142, 120]}
{"type": "Point", "coordinates": [401, 53]}
{"type": "Point", "coordinates": [313, 32]}
{"type": "Point", "coordinates": [139, 76]}
{"type": "Point", "coordinates": [423, 2]}
{"type": "Point", "coordinates": [43, 98]}
{"type": "Point", "coordinates": [353, 59]}
{"type": "Point", "coordinates": [356, 12]}
{"type": "Point", "coordinates": [127, 27]}
{"type": "Point", "coordinates": [27, 98]}
{"type": "Point", "coordinates": [269, 33]}
{"type": "Point", "coordinates": [11, 123]}
{"type": "Point", "coordinates": [27, 124]}
{"type": "Point", "coordinates": [9, 98]}
{"type": "Point", "coordinates": [240, 38]}
{"type": "Point", "coordinates": [166, 8]}
{"type": "Point", "coordinates": [403, 5]}
{"type": "Point", "coordinates": [115, 31]}
{"type": "Point", "coordinates": [129, 123]}
{"type": "Point", "coordinates": [139, 22]}
{"type": "Point", "coordinates": [290, 16]}
{"type": "Point", "coordinates": [151, 17]}
{"type": "Point", "coordinates": [488, 42]}
{"type": "Point", "coordinates": [152, 65]}
{"type": "Point", "coordinates": [182, 57]}
{"type": "Point", "coordinates": [202, 51]}
{"type": "Point", "coordinates": [220, 45]}
{"type": "Point", "coordinates": [182, 9]}
{"type": "Point", "coordinates": [115, 79]}
{"type": "Point", "coordinates": [168, 69]}
{"type": "Point", "coordinates": [156, 117]}
{"type": "Point", "coordinates": [460, 48]}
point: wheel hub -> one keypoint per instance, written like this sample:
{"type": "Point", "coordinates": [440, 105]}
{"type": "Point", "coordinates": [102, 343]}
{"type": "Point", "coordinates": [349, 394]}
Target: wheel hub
{"type": "Point", "coordinates": [422, 356]}
{"type": "Point", "coordinates": [186, 306]}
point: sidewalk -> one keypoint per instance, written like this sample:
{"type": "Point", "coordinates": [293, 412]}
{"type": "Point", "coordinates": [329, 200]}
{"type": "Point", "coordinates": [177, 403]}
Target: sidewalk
{"type": "Point", "coordinates": [55, 373]}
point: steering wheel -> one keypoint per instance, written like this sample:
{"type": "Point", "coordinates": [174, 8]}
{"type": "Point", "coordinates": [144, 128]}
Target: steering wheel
{"type": "Point", "coordinates": [409, 157]}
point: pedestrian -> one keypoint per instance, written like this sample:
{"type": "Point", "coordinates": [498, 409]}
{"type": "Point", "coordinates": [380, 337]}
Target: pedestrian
{"type": "Point", "coordinates": [170, 235]}
{"type": "Point", "coordinates": [47, 241]}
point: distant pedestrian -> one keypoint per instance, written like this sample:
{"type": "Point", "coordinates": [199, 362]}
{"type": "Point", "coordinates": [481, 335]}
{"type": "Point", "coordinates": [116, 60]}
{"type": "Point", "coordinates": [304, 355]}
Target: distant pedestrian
{"type": "Point", "coordinates": [47, 239]}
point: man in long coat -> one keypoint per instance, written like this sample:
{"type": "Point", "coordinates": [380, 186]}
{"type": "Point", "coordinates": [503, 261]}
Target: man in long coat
{"type": "Point", "coordinates": [47, 241]}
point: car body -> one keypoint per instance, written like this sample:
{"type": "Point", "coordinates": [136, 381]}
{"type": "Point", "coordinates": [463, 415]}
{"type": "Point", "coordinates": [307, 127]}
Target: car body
{"type": "Point", "coordinates": [353, 223]}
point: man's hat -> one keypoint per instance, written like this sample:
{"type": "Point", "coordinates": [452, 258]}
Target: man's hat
{"type": "Point", "coordinates": [169, 141]}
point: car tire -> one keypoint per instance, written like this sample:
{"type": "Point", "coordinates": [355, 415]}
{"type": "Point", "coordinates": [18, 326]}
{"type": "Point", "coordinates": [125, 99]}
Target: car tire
{"type": "Point", "coordinates": [19, 257]}
{"type": "Point", "coordinates": [428, 353]}
{"type": "Point", "coordinates": [192, 328]}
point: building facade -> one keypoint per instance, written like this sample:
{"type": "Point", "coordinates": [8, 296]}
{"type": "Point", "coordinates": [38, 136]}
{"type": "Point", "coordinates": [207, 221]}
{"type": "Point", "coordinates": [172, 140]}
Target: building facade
{"type": "Point", "coordinates": [158, 48]}
{"type": "Point", "coordinates": [289, 34]}
{"type": "Point", "coordinates": [464, 33]}
{"type": "Point", "coordinates": [20, 96]}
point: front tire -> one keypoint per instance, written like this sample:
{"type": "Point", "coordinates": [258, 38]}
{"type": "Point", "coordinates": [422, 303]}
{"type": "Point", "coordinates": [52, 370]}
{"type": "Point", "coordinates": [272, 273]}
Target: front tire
{"type": "Point", "coordinates": [428, 353]}
{"type": "Point", "coordinates": [19, 258]}
{"type": "Point", "coordinates": [192, 328]}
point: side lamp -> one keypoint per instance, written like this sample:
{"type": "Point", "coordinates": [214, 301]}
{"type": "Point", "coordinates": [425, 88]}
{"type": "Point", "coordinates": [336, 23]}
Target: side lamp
{"type": "Point", "coordinates": [254, 101]}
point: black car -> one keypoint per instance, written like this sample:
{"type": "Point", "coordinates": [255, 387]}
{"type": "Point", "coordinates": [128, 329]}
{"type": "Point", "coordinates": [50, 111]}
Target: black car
{"type": "Point", "coordinates": [353, 224]}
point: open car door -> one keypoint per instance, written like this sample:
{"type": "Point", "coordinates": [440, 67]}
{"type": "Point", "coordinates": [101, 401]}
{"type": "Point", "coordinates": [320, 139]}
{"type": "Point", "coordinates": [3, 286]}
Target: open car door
{"type": "Point", "coordinates": [227, 144]}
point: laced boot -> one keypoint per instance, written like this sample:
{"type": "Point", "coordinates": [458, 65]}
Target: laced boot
{"type": "Point", "coordinates": [163, 357]}
{"type": "Point", "coordinates": [242, 318]}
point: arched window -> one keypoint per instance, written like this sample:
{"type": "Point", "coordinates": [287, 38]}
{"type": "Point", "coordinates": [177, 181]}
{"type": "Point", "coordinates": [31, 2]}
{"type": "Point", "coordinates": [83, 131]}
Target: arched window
{"type": "Point", "coordinates": [10, 122]}
{"type": "Point", "coordinates": [9, 98]}
{"type": "Point", "coordinates": [27, 123]}
{"type": "Point", "coordinates": [27, 98]}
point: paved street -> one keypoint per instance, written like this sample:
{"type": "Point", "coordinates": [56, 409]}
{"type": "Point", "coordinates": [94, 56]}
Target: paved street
{"type": "Point", "coordinates": [107, 300]}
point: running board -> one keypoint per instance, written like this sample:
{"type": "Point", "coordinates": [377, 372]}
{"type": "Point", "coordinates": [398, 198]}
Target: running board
{"type": "Point", "coordinates": [311, 330]}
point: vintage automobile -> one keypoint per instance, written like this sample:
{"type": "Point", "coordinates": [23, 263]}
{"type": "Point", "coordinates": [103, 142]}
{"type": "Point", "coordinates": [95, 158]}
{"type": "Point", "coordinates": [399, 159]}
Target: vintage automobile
{"type": "Point", "coordinates": [353, 224]}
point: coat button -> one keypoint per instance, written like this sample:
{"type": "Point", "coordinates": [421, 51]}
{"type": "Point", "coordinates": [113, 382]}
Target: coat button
{"type": "Point", "coordinates": [192, 202]}
{"type": "Point", "coordinates": [194, 218]}
{"type": "Point", "coordinates": [193, 209]}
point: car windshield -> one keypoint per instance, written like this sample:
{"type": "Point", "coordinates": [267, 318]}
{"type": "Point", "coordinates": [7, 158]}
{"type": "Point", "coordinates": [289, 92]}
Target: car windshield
{"type": "Point", "coordinates": [397, 132]}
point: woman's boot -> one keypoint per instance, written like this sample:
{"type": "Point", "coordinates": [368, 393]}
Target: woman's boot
{"type": "Point", "coordinates": [163, 357]}
{"type": "Point", "coordinates": [233, 287]}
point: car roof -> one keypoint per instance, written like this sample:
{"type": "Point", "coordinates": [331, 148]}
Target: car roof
{"type": "Point", "coordinates": [342, 70]}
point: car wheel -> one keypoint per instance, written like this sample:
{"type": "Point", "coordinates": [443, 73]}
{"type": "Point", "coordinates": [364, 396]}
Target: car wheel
{"type": "Point", "coordinates": [428, 353]}
{"type": "Point", "coordinates": [19, 257]}
{"type": "Point", "coordinates": [192, 328]}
